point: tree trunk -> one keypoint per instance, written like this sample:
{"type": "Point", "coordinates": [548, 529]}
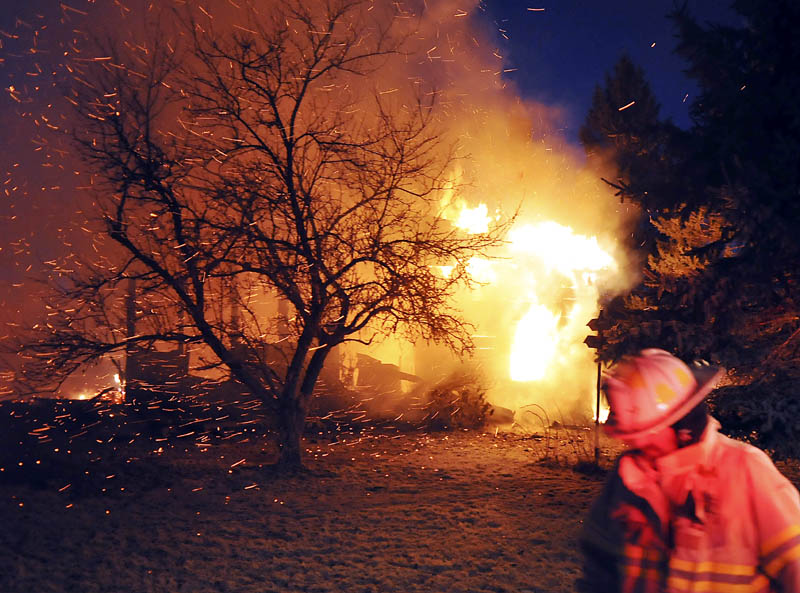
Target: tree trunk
{"type": "Point", "coordinates": [293, 411]}
{"type": "Point", "coordinates": [291, 419]}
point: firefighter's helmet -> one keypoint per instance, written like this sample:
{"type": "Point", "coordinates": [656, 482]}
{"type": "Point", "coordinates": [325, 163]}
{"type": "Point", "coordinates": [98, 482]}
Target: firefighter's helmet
{"type": "Point", "coordinates": [653, 390]}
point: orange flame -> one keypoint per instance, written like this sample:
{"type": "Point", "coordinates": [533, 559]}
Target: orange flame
{"type": "Point", "coordinates": [560, 249]}
{"type": "Point", "coordinates": [545, 332]}
{"type": "Point", "coordinates": [553, 323]}
{"type": "Point", "coordinates": [535, 344]}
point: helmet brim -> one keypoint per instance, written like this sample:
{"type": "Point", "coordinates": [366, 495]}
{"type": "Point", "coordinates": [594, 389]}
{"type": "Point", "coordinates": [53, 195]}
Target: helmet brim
{"type": "Point", "coordinates": [706, 378]}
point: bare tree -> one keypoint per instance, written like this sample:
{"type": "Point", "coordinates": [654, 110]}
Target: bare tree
{"type": "Point", "coordinates": [263, 159]}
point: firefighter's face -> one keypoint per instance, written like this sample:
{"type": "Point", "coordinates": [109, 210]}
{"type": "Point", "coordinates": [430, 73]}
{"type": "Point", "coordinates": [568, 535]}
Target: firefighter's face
{"type": "Point", "coordinates": [657, 445]}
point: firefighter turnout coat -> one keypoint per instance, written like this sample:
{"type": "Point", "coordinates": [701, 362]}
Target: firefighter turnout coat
{"type": "Point", "coordinates": [716, 516]}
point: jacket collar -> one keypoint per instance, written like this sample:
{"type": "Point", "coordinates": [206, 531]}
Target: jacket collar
{"type": "Point", "coordinates": [696, 456]}
{"type": "Point", "coordinates": [691, 470]}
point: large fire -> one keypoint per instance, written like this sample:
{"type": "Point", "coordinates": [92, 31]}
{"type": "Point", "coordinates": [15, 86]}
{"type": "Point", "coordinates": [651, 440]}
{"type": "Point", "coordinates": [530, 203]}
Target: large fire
{"type": "Point", "coordinates": [546, 280]}
{"type": "Point", "coordinates": [542, 333]}
{"type": "Point", "coordinates": [535, 296]}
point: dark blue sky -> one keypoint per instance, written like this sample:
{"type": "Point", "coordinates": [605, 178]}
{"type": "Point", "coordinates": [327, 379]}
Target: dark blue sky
{"type": "Point", "coordinates": [560, 52]}
{"type": "Point", "coordinates": [563, 51]}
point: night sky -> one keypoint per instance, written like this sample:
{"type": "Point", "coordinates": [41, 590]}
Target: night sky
{"type": "Point", "coordinates": [560, 50]}
{"type": "Point", "coordinates": [563, 51]}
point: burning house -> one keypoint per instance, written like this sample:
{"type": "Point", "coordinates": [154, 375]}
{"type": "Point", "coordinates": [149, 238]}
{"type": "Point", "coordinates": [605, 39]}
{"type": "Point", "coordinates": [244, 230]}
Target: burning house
{"type": "Point", "coordinates": [502, 159]}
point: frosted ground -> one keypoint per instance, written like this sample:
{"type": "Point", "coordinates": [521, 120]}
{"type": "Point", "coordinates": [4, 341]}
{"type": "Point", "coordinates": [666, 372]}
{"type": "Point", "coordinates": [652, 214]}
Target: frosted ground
{"type": "Point", "coordinates": [379, 511]}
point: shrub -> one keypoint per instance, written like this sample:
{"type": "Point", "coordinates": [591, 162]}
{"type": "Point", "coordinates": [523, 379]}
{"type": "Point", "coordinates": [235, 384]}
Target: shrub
{"type": "Point", "coordinates": [558, 444]}
{"type": "Point", "coordinates": [459, 401]}
{"type": "Point", "coordinates": [766, 414]}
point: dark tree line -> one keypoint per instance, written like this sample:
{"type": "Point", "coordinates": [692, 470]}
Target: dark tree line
{"type": "Point", "coordinates": [719, 212]}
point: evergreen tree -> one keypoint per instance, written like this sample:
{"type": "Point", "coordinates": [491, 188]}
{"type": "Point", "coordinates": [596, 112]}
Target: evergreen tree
{"type": "Point", "coordinates": [747, 139]}
{"type": "Point", "coordinates": [747, 134]}
{"type": "Point", "coordinates": [722, 280]}
{"type": "Point", "coordinates": [623, 129]}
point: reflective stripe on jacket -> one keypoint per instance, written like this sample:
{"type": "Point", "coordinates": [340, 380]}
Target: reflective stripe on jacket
{"type": "Point", "coordinates": [716, 516]}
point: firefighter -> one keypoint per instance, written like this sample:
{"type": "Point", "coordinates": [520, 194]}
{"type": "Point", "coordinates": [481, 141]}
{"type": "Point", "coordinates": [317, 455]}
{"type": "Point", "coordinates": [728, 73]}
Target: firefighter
{"type": "Point", "coordinates": [686, 508]}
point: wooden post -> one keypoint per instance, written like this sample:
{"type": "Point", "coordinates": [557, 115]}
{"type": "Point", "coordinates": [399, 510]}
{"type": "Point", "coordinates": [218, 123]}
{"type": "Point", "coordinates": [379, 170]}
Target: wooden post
{"type": "Point", "coordinates": [597, 419]}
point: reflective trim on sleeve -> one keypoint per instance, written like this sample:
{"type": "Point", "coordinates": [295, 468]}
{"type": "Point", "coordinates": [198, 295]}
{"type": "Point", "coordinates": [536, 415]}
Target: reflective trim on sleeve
{"type": "Point", "coordinates": [721, 568]}
{"type": "Point", "coordinates": [780, 550]}
{"type": "Point", "coordinates": [786, 554]}
{"type": "Point", "coordinates": [775, 541]}
{"type": "Point", "coordinates": [685, 575]}
{"type": "Point", "coordinates": [758, 584]}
